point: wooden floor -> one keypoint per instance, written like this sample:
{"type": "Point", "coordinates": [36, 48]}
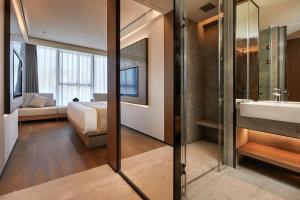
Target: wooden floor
{"type": "Point", "coordinates": [50, 150]}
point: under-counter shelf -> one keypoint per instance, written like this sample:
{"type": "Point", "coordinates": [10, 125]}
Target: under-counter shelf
{"type": "Point", "coordinates": [279, 157]}
{"type": "Point", "coordinates": [208, 123]}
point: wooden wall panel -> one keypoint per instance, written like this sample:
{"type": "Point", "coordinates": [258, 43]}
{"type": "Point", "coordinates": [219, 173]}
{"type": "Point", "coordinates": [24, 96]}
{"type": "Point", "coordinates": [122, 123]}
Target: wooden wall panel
{"type": "Point", "coordinates": [169, 77]}
{"type": "Point", "coordinates": [293, 69]}
{"type": "Point", "coordinates": [113, 98]}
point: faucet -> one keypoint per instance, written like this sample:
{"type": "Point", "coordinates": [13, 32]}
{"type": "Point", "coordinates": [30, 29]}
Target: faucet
{"type": "Point", "coordinates": [277, 94]}
{"type": "Point", "coordinates": [284, 95]}
{"type": "Point", "coordinates": [280, 94]}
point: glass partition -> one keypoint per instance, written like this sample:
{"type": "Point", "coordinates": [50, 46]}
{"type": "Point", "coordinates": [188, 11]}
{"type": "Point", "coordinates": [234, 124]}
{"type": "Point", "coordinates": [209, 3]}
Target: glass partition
{"type": "Point", "coordinates": [146, 64]}
{"type": "Point", "coordinates": [202, 93]}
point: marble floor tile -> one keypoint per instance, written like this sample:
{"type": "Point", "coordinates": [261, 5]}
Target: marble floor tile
{"type": "Point", "coordinates": [97, 183]}
{"type": "Point", "coordinates": [245, 183]}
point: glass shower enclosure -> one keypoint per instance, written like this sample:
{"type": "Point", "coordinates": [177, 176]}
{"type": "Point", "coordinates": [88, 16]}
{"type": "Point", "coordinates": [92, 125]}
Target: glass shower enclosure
{"type": "Point", "coordinates": [202, 78]}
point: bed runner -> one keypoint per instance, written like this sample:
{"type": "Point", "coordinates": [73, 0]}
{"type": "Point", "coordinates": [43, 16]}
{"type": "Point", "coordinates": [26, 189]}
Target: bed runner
{"type": "Point", "coordinates": [101, 108]}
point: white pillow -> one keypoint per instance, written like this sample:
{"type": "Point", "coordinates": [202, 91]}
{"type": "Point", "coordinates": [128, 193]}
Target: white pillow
{"type": "Point", "coordinates": [37, 101]}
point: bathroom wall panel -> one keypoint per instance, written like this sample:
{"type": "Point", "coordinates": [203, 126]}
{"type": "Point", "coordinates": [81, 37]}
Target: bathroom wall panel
{"type": "Point", "coordinates": [264, 56]}
{"type": "Point", "coordinates": [202, 79]}
{"type": "Point", "coordinates": [195, 85]}
{"type": "Point", "coordinates": [208, 40]}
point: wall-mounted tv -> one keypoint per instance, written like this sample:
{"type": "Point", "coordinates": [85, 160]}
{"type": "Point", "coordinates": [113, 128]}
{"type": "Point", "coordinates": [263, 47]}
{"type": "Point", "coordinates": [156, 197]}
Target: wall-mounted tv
{"type": "Point", "coordinates": [129, 82]}
{"type": "Point", "coordinates": [17, 75]}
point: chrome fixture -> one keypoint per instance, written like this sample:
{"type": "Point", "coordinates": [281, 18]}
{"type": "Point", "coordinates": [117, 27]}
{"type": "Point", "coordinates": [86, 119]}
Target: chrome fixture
{"type": "Point", "coordinates": [284, 95]}
{"type": "Point", "coordinates": [277, 94]}
{"type": "Point", "coordinates": [280, 94]}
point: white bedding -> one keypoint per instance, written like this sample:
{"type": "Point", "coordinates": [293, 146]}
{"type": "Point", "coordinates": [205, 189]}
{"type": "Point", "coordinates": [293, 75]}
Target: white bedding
{"type": "Point", "coordinates": [89, 117]}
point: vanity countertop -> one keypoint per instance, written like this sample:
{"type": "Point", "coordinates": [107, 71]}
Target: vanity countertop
{"type": "Point", "coordinates": [266, 125]}
{"type": "Point", "coordinates": [271, 110]}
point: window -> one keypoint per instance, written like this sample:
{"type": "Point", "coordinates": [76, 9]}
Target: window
{"type": "Point", "coordinates": [70, 74]}
{"type": "Point", "coordinates": [100, 74]}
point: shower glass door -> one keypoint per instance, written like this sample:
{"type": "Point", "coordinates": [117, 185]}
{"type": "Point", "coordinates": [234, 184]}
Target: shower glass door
{"type": "Point", "coordinates": [202, 77]}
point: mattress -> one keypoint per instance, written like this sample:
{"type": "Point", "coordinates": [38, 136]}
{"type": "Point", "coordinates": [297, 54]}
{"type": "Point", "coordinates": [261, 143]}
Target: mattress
{"type": "Point", "coordinates": [89, 117]}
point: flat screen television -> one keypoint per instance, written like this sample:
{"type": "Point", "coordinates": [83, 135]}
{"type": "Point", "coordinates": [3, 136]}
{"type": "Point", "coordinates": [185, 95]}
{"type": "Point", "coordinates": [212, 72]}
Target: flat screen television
{"type": "Point", "coordinates": [17, 75]}
{"type": "Point", "coordinates": [129, 82]}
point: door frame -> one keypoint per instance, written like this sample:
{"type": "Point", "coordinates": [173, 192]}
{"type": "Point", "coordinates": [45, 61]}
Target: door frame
{"type": "Point", "coordinates": [178, 168]}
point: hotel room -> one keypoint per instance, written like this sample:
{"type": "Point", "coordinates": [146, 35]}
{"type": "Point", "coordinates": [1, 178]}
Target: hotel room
{"type": "Point", "coordinates": [149, 99]}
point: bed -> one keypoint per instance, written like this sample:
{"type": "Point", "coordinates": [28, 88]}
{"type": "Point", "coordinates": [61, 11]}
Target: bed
{"type": "Point", "coordinates": [90, 121]}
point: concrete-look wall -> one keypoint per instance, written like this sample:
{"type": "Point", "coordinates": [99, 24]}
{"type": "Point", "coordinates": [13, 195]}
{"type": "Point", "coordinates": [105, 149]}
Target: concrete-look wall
{"type": "Point", "coordinates": [202, 90]}
{"type": "Point", "coordinates": [264, 67]}
{"type": "Point", "coordinates": [149, 119]}
{"type": "Point", "coordinates": [274, 61]}
{"type": "Point", "coordinates": [208, 42]}
{"type": "Point", "coordinates": [194, 84]}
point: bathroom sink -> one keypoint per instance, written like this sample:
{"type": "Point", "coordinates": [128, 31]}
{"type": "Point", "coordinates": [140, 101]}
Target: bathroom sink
{"type": "Point", "coordinates": [271, 110]}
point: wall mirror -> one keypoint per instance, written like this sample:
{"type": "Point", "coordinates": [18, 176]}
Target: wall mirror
{"type": "Point", "coordinates": [267, 45]}
{"type": "Point", "coordinates": [146, 126]}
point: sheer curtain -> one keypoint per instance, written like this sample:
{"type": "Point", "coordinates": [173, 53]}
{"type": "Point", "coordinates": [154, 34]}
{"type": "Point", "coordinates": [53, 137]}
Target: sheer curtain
{"type": "Point", "coordinates": [100, 74]}
{"type": "Point", "coordinates": [47, 62]}
{"type": "Point", "coordinates": [70, 74]}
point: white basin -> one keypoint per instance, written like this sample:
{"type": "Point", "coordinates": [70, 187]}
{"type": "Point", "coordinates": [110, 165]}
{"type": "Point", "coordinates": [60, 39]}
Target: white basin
{"type": "Point", "coordinates": [271, 110]}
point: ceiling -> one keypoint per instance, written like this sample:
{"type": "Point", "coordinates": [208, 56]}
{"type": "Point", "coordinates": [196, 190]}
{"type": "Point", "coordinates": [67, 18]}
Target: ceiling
{"type": "Point", "coordinates": [162, 6]}
{"type": "Point", "coordinates": [130, 11]}
{"type": "Point", "coordinates": [76, 22]}
{"type": "Point", "coordinates": [279, 13]}
{"type": "Point", "coordinates": [195, 14]}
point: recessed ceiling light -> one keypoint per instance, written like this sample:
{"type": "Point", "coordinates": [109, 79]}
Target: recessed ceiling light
{"type": "Point", "coordinates": [86, 38]}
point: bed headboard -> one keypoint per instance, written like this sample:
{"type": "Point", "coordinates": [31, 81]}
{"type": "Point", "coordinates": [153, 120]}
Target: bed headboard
{"type": "Point", "coordinates": [100, 97]}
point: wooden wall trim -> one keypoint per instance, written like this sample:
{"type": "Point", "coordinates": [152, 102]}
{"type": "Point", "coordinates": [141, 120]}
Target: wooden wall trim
{"type": "Point", "coordinates": [113, 66]}
{"type": "Point", "coordinates": [169, 77]}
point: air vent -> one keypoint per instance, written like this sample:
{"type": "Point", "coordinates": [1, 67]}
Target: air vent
{"type": "Point", "coordinates": [207, 7]}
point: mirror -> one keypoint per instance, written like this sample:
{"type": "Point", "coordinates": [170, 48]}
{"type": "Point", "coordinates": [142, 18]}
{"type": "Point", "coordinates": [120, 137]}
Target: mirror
{"type": "Point", "coordinates": [267, 46]}
{"type": "Point", "coordinates": [247, 34]}
{"type": "Point", "coordinates": [146, 123]}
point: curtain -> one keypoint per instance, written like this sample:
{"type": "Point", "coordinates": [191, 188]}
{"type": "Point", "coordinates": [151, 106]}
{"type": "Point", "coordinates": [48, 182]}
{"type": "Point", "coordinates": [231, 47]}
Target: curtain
{"type": "Point", "coordinates": [70, 74]}
{"type": "Point", "coordinates": [47, 61]}
{"type": "Point", "coordinates": [31, 70]}
{"type": "Point", "coordinates": [75, 76]}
